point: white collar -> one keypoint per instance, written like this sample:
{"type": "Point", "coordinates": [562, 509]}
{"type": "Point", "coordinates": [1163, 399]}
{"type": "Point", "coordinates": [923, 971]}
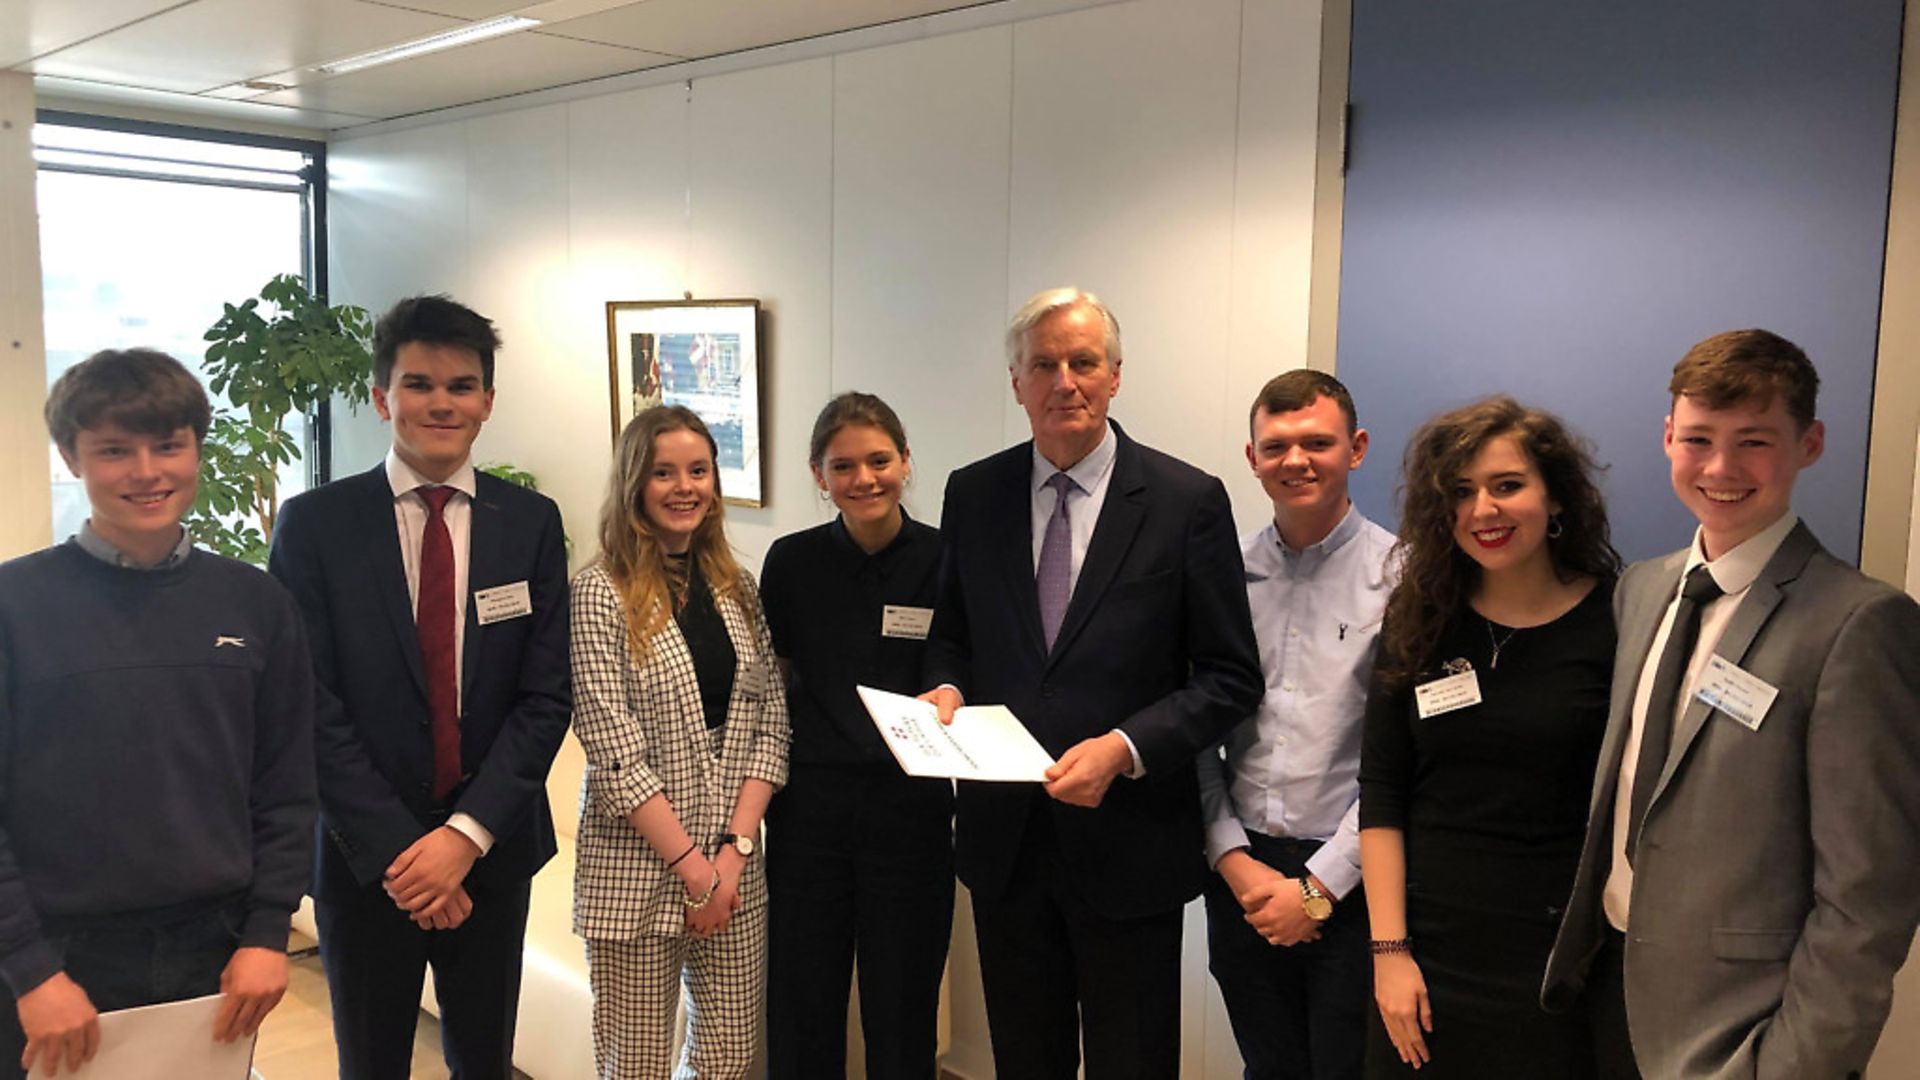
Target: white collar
{"type": "Point", "coordinates": [1736, 570]}
{"type": "Point", "coordinates": [402, 478]}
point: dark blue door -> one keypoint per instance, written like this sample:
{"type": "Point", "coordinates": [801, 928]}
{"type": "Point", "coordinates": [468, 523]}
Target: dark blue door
{"type": "Point", "coordinates": [1555, 200]}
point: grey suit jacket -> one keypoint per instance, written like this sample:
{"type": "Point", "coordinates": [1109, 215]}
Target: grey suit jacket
{"type": "Point", "coordinates": [1777, 873]}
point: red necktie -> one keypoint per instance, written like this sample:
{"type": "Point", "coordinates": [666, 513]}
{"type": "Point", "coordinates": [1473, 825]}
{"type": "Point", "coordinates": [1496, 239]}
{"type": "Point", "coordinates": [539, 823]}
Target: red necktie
{"type": "Point", "coordinates": [433, 620]}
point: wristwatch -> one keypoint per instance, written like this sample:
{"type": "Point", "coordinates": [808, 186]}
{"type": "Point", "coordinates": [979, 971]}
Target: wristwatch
{"type": "Point", "coordinates": [742, 844]}
{"type": "Point", "coordinates": [1318, 905]}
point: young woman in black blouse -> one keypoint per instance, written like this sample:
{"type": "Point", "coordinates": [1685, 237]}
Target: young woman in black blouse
{"type": "Point", "coordinates": [859, 855]}
{"type": "Point", "coordinates": [1480, 741]}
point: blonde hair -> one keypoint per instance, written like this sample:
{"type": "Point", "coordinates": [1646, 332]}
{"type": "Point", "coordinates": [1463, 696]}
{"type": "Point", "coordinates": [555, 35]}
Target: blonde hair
{"type": "Point", "coordinates": [629, 548]}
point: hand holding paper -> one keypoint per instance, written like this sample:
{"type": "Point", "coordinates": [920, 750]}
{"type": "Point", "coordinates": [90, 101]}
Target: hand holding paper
{"type": "Point", "coordinates": [984, 742]}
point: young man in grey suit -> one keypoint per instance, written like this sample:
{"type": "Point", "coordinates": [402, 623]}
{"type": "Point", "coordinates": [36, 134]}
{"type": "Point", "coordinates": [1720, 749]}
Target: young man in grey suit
{"type": "Point", "coordinates": [1749, 884]}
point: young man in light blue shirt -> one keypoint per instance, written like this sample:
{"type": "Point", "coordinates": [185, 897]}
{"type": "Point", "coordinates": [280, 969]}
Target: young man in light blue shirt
{"type": "Point", "coordinates": [1286, 924]}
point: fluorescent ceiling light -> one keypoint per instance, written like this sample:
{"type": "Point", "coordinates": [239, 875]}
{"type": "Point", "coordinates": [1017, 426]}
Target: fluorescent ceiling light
{"type": "Point", "coordinates": [448, 39]}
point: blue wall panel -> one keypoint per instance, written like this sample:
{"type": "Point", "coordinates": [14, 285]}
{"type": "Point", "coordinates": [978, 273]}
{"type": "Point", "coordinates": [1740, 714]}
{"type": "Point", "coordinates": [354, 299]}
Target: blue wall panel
{"type": "Point", "coordinates": [1556, 200]}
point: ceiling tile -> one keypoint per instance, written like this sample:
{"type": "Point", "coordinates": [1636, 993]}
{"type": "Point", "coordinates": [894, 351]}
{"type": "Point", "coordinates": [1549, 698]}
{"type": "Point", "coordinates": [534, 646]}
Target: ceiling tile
{"type": "Point", "coordinates": [514, 64]}
{"type": "Point", "coordinates": [66, 93]}
{"type": "Point", "coordinates": [702, 28]}
{"type": "Point", "coordinates": [30, 28]}
{"type": "Point", "coordinates": [212, 43]}
{"type": "Point", "coordinates": [460, 9]}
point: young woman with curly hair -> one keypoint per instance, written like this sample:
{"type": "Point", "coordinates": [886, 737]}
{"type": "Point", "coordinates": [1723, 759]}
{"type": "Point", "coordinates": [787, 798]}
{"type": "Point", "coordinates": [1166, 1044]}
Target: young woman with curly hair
{"type": "Point", "coordinates": [1480, 740]}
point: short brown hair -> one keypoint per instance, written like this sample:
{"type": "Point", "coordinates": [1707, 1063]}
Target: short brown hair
{"type": "Point", "coordinates": [853, 407]}
{"type": "Point", "coordinates": [1752, 366]}
{"type": "Point", "coordinates": [1299, 388]}
{"type": "Point", "coordinates": [144, 391]}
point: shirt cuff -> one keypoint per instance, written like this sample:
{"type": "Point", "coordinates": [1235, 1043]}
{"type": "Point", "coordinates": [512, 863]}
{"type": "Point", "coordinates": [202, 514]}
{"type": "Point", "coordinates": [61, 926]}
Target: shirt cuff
{"type": "Point", "coordinates": [1334, 870]}
{"type": "Point", "coordinates": [1138, 770]}
{"type": "Point", "coordinates": [472, 830]}
{"type": "Point", "coordinates": [955, 689]}
{"type": "Point", "coordinates": [1223, 836]}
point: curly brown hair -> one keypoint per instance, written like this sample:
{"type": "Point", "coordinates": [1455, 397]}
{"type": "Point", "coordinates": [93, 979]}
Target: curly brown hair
{"type": "Point", "coordinates": [1436, 577]}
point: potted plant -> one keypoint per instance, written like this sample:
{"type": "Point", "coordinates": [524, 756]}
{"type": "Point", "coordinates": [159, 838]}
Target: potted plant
{"type": "Point", "coordinates": [289, 358]}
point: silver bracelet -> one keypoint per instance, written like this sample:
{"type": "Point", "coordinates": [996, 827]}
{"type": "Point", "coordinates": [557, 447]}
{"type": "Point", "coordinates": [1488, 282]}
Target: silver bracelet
{"type": "Point", "coordinates": [696, 905]}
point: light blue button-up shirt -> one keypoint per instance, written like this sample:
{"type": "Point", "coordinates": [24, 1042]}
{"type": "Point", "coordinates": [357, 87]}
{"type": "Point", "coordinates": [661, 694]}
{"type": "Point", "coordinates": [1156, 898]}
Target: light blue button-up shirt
{"type": "Point", "coordinates": [1292, 769]}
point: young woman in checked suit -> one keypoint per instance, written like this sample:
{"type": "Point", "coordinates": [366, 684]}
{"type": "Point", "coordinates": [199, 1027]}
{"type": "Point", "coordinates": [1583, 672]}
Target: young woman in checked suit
{"type": "Point", "coordinates": [684, 721]}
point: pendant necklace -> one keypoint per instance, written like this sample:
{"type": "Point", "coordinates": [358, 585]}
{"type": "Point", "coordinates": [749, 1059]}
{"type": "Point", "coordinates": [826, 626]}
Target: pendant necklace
{"type": "Point", "coordinates": [1497, 643]}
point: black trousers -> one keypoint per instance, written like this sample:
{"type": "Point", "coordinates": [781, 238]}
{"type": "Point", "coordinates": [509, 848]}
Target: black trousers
{"type": "Point", "coordinates": [1299, 1012]}
{"type": "Point", "coordinates": [376, 961]}
{"type": "Point", "coordinates": [1059, 975]}
{"type": "Point", "coordinates": [141, 958]}
{"type": "Point", "coordinates": [1606, 1005]}
{"type": "Point", "coordinates": [859, 865]}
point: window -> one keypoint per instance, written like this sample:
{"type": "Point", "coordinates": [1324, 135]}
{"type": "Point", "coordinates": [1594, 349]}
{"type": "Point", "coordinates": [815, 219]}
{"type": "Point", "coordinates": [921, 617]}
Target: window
{"type": "Point", "coordinates": [146, 230]}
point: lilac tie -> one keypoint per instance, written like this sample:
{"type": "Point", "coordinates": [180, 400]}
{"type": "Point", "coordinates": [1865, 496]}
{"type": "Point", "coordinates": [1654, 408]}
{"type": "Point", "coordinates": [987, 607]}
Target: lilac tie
{"type": "Point", "coordinates": [1054, 577]}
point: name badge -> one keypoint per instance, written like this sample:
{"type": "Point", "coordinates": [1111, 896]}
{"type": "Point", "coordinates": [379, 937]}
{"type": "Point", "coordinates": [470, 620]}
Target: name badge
{"type": "Point", "coordinates": [502, 602]}
{"type": "Point", "coordinates": [1740, 695]}
{"type": "Point", "coordinates": [897, 621]}
{"type": "Point", "coordinates": [1456, 691]}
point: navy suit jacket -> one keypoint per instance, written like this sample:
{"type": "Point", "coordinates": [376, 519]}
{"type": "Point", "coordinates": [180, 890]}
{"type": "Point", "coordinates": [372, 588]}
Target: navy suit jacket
{"type": "Point", "coordinates": [1156, 641]}
{"type": "Point", "coordinates": [337, 550]}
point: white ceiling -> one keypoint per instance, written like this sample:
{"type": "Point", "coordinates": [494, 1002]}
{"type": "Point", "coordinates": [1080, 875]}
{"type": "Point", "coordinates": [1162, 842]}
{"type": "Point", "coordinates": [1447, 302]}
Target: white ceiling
{"type": "Point", "coordinates": [194, 56]}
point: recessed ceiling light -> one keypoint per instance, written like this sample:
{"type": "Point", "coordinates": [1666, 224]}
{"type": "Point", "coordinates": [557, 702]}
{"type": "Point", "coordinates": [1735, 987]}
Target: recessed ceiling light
{"type": "Point", "coordinates": [264, 85]}
{"type": "Point", "coordinates": [448, 39]}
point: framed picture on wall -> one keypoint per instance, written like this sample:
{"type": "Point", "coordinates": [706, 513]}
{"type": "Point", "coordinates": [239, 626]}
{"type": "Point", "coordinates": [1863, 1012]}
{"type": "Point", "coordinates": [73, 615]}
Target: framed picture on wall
{"type": "Point", "coordinates": [704, 354]}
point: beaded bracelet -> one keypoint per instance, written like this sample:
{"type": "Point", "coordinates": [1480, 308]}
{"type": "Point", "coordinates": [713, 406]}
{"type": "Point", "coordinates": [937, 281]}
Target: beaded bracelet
{"type": "Point", "coordinates": [1390, 946]}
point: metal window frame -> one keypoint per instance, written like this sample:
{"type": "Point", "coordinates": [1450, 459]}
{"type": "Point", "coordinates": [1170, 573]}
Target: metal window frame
{"type": "Point", "coordinates": [313, 220]}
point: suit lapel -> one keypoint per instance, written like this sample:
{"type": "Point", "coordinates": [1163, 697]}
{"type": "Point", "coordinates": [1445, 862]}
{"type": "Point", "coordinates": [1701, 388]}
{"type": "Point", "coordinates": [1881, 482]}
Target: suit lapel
{"type": "Point", "coordinates": [1765, 595]}
{"type": "Point", "coordinates": [1640, 621]}
{"type": "Point", "coordinates": [483, 531]}
{"type": "Point", "coordinates": [1120, 518]}
{"type": "Point", "coordinates": [389, 573]}
{"type": "Point", "coordinates": [1014, 496]}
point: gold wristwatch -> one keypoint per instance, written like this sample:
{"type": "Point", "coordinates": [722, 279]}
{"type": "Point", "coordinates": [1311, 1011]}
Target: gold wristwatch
{"type": "Point", "coordinates": [1318, 905]}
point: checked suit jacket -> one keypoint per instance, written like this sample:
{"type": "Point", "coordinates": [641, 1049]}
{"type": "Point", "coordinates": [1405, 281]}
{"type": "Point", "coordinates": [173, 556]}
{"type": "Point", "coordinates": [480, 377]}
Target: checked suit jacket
{"type": "Point", "coordinates": [645, 734]}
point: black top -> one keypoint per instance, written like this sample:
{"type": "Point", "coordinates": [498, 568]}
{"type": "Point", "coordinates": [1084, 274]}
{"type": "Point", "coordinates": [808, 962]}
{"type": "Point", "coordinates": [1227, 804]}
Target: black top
{"type": "Point", "coordinates": [825, 599]}
{"type": "Point", "coordinates": [1507, 781]}
{"type": "Point", "coordinates": [707, 642]}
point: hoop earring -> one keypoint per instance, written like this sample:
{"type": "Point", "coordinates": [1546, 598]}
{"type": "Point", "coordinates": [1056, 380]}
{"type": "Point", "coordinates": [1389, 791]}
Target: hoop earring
{"type": "Point", "coordinates": [1554, 528]}
{"type": "Point", "coordinates": [825, 495]}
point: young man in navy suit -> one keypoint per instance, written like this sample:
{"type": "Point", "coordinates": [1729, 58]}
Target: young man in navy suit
{"type": "Point", "coordinates": [436, 606]}
{"type": "Point", "coordinates": [1094, 586]}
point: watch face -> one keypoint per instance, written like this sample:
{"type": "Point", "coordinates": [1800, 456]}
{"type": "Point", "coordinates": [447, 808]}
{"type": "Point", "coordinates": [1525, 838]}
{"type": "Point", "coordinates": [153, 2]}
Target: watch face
{"type": "Point", "coordinates": [744, 844]}
{"type": "Point", "coordinates": [1318, 907]}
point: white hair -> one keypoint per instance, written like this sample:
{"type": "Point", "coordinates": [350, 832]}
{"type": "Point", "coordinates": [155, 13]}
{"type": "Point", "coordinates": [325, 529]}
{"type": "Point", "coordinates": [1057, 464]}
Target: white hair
{"type": "Point", "coordinates": [1046, 302]}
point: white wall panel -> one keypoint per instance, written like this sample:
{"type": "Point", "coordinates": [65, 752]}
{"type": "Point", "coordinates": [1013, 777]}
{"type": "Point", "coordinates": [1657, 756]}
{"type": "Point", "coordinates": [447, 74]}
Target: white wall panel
{"type": "Point", "coordinates": [519, 276]}
{"type": "Point", "coordinates": [1272, 219]}
{"type": "Point", "coordinates": [762, 199]}
{"type": "Point", "coordinates": [920, 243]}
{"type": "Point", "coordinates": [1123, 176]}
{"type": "Point", "coordinates": [397, 226]}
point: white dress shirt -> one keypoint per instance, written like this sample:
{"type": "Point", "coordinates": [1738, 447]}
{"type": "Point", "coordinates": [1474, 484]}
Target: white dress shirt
{"type": "Point", "coordinates": [1735, 572]}
{"type": "Point", "coordinates": [1092, 475]}
{"type": "Point", "coordinates": [410, 524]}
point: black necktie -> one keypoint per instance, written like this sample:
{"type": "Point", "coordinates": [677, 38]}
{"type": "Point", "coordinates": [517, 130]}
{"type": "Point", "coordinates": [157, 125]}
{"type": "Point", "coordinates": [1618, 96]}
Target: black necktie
{"type": "Point", "coordinates": [1656, 736]}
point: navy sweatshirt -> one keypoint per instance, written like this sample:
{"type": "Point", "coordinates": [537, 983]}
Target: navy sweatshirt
{"type": "Point", "coordinates": [156, 746]}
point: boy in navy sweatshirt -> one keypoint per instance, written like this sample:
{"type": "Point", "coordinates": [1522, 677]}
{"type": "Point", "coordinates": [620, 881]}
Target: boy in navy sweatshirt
{"type": "Point", "coordinates": [156, 740]}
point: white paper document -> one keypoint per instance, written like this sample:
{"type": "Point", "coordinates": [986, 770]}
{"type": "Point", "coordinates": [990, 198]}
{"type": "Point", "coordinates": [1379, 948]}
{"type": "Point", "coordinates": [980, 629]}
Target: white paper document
{"type": "Point", "coordinates": [984, 742]}
{"type": "Point", "coordinates": [164, 1042]}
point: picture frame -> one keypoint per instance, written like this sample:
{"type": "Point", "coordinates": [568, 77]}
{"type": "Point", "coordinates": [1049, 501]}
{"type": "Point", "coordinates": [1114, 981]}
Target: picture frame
{"type": "Point", "coordinates": [704, 354]}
